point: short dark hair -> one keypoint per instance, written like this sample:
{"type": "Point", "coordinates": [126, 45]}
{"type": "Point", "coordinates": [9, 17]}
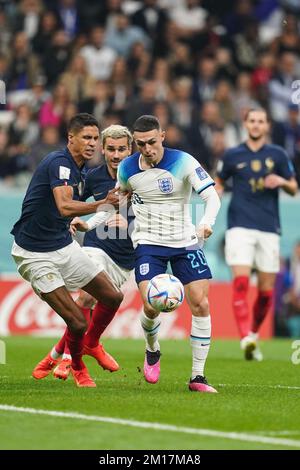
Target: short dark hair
{"type": "Point", "coordinates": [260, 110]}
{"type": "Point", "coordinates": [146, 123]}
{"type": "Point", "coordinates": [79, 121]}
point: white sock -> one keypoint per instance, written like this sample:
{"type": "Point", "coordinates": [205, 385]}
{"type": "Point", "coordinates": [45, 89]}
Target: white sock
{"type": "Point", "coordinates": [54, 354]}
{"type": "Point", "coordinates": [200, 342]}
{"type": "Point", "coordinates": [151, 327]}
{"type": "Point", "coordinates": [253, 335]}
{"type": "Point", "coordinates": [67, 356]}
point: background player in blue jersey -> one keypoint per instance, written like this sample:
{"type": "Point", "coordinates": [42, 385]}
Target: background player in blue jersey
{"type": "Point", "coordinates": [258, 170]}
{"type": "Point", "coordinates": [161, 182]}
{"type": "Point", "coordinates": [44, 251]}
{"type": "Point", "coordinates": [110, 248]}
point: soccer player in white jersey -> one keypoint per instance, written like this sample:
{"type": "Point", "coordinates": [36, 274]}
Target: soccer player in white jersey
{"type": "Point", "coordinates": [161, 182]}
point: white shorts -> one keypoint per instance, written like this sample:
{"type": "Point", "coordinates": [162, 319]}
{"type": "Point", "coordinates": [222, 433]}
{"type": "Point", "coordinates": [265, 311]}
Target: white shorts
{"type": "Point", "coordinates": [69, 267]}
{"type": "Point", "coordinates": [104, 262]}
{"type": "Point", "coordinates": [247, 247]}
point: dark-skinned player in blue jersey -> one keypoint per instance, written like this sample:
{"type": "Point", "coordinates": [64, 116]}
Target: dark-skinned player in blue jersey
{"type": "Point", "coordinates": [258, 170]}
{"type": "Point", "coordinates": [43, 249]}
{"type": "Point", "coordinates": [110, 248]}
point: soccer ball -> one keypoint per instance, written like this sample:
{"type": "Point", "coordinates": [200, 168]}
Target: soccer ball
{"type": "Point", "coordinates": [165, 293]}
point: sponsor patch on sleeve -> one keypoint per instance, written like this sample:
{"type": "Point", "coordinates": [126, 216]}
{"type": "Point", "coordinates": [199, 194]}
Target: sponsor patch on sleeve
{"type": "Point", "coordinates": [201, 173]}
{"type": "Point", "coordinates": [64, 173]}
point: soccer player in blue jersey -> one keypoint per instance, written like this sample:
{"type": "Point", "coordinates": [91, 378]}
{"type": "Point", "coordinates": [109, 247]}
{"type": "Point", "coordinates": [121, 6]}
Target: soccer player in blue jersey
{"type": "Point", "coordinates": [43, 249]}
{"type": "Point", "coordinates": [161, 181]}
{"type": "Point", "coordinates": [108, 245]}
{"type": "Point", "coordinates": [258, 170]}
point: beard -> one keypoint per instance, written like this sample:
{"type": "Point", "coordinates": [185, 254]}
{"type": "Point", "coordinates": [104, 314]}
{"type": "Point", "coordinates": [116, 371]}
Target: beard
{"type": "Point", "coordinates": [255, 137]}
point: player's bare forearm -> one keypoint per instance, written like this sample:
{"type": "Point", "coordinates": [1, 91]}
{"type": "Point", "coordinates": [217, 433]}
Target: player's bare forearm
{"type": "Point", "coordinates": [290, 187]}
{"type": "Point", "coordinates": [69, 208]}
{"type": "Point", "coordinates": [275, 181]}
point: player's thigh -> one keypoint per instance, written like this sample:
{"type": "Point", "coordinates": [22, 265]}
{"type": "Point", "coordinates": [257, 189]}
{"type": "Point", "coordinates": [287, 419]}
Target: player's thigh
{"type": "Point", "coordinates": [38, 268]}
{"type": "Point", "coordinates": [240, 246]}
{"type": "Point", "coordinates": [76, 268]}
{"type": "Point", "coordinates": [268, 252]}
{"type": "Point", "coordinates": [196, 294]}
{"type": "Point", "coordinates": [104, 290]}
{"type": "Point", "coordinates": [147, 266]}
{"type": "Point", "coordinates": [189, 265]}
{"type": "Point", "coordinates": [103, 261]}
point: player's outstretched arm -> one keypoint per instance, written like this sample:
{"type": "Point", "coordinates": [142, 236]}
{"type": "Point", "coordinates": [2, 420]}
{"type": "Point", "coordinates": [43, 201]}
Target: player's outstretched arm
{"type": "Point", "coordinates": [67, 207]}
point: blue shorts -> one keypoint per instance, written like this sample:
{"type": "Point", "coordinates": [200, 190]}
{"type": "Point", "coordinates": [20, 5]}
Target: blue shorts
{"type": "Point", "coordinates": [188, 264]}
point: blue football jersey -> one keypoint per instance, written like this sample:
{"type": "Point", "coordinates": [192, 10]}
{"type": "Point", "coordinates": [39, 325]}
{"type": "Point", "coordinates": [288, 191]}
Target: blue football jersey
{"type": "Point", "coordinates": [252, 205]}
{"type": "Point", "coordinates": [115, 242]}
{"type": "Point", "coordinates": [41, 228]}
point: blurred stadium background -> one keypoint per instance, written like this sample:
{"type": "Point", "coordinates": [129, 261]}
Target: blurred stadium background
{"type": "Point", "coordinates": [196, 64]}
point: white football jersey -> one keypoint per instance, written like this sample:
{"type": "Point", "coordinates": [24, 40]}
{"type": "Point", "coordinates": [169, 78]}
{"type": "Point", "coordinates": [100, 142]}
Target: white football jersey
{"type": "Point", "coordinates": [161, 197]}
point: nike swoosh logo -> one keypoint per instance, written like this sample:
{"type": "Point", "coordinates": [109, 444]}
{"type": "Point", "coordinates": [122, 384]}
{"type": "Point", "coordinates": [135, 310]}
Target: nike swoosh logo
{"type": "Point", "coordinates": [98, 194]}
{"type": "Point", "coordinates": [241, 165]}
{"type": "Point", "coordinates": [201, 271]}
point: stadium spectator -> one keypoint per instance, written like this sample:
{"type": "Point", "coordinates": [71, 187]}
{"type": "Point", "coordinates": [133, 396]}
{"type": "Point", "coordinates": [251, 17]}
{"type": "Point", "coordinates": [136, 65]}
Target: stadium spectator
{"type": "Point", "coordinates": [77, 80]}
{"type": "Point", "coordinates": [28, 17]}
{"type": "Point", "coordinates": [258, 171]}
{"type": "Point", "coordinates": [48, 142]}
{"type": "Point", "coordinates": [280, 87]}
{"type": "Point", "coordinates": [51, 112]}
{"type": "Point", "coordinates": [287, 134]}
{"type": "Point", "coordinates": [152, 19]}
{"type": "Point", "coordinates": [69, 16]}
{"type": "Point", "coordinates": [122, 86]}
{"type": "Point", "coordinates": [56, 57]}
{"type": "Point", "coordinates": [48, 25]}
{"type": "Point", "coordinates": [99, 56]}
{"type": "Point", "coordinates": [99, 102]}
{"type": "Point", "coordinates": [24, 66]}
{"type": "Point", "coordinates": [121, 36]}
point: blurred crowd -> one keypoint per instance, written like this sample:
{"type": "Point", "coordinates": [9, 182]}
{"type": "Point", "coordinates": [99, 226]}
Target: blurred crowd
{"type": "Point", "coordinates": [196, 64]}
{"type": "Point", "coordinates": [287, 296]}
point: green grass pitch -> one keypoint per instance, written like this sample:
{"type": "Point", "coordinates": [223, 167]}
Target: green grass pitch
{"type": "Point", "coordinates": [256, 401]}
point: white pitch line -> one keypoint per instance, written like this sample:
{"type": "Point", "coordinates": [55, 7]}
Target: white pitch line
{"type": "Point", "coordinates": [279, 433]}
{"type": "Point", "coordinates": [235, 436]}
{"type": "Point", "coordinates": [287, 387]}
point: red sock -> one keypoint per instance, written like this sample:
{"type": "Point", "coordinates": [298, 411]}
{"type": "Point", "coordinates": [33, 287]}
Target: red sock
{"type": "Point", "coordinates": [101, 317]}
{"type": "Point", "coordinates": [260, 309]}
{"type": "Point", "coordinates": [62, 347]}
{"type": "Point", "coordinates": [240, 304]}
{"type": "Point", "coordinates": [75, 344]}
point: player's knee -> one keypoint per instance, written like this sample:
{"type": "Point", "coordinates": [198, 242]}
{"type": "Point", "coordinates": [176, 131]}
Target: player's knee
{"type": "Point", "coordinates": [200, 307]}
{"type": "Point", "coordinates": [150, 312]}
{"type": "Point", "coordinates": [115, 299]}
